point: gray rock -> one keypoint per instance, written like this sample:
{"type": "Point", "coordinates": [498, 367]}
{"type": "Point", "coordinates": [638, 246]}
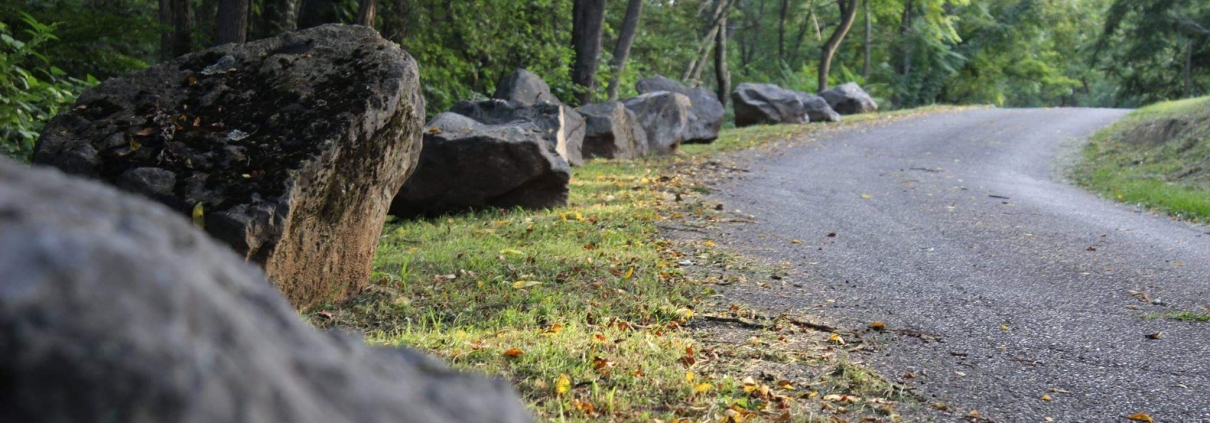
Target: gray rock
{"type": "Point", "coordinates": [115, 309]}
{"type": "Point", "coordinates": [818, 109]}
{"type": "Point", "coordinates": [664, 116]}
{"type": "Point", "coordinates": [452, 122]}
{"type": "Point", "coordinates": [484, 166]}
{"type": "Point", "coordinates": [705, 111]}
{"type": "Point", "coordinates": [612, 132]}
{"type": "Point", "coordinates": [524, 87]}
{"type": "Point", "coordinates": [294, 149]}
{"type": "Point", "coordinates": [757, 104]}
{"type": "Point", "coordinates": [849, 99]}
{"type": "Point", "coordinates": [560, 124]}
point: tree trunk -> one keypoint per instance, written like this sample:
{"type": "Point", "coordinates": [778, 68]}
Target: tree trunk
{"type": "Point", "coordinates": [314, 13]}
{"type": "Point", "coordinates": [231, 24]}
{"type": "Point", "coordinates": [365, 13]}
{"type": "Point", "coordinates": [278, 16]}
{"type": "Point", "coordinates": [869, 27]}
{"type": "Point", "coordinates": [905, 27]}
{"type": "Point", "coordinates": [587, 24]}
{"type": "Point", "coordinates": [178, 41]}
{"type": "Point", "coordinates": [630, 27]}
{"type": "Point", "coordinates": [1188, 90]}
{"type": "Point", "coordinates": [781, 30]}
{"type": "Point", "coordinates": [848, 12]}
{"type": "Point", "coordinates": [693, 73]}
{"type": "Point", "coordinates": [721, 74]}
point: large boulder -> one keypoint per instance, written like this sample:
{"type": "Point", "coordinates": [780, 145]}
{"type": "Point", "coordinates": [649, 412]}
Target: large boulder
{"type": "Point", "coordinates": [818, 109]}
{"type": "Point", "coordinates": [757, 104]}
{"type": "Point", "coordinates": [560, 124]}
{"type": "Point", "coordinates": [524, 87]}
{"type": "Point", "coordinates": [466, 165]}
{"type": "Point", "coordinates": [849, 99]}
{"type": "Point", "coordinates": [612, 132]}
{"type": "Point", "coordinates": [288, 148]}
{"type": "Point", "coordinates": [116, 309]}
{"type": "Point", "coordinates": [664, 116]}
{"type": "Point", "coordinates": [705, 111]}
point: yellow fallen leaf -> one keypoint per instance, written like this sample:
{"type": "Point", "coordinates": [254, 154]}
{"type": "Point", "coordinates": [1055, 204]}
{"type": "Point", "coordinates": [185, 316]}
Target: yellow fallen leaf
{"type": "Point", "coordinates": [689, 377]}
{"type": "Point", "coordinates": [812, 394]}
{"type": "Point", "coordinates": [836, 339]}
{"type": "Point", "coordinates": [563, 385]}
{"type": "Point", "coordinates": [511, 252]}
{"type": "Point", "coordinates": [199, 216]}
{"type": "Point", "coordinates": [796, 241]}
{"type": "Point", "coordinates": [1046, 397]}
{"type": "Point", "coordinates": [525, 284]}
{"type": "Point", "coordinates": [702, 387]}
{"type": "Point", "coordinates": [1140, 417]}
{"type": "Point", "coordinates": [708, 243]}
{"type": "Point", "coordinates": [866, 196]}
{"type": "Point", "coordinates": [629, 273]}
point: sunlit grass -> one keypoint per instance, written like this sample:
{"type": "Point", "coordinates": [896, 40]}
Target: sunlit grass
{"type": "Point", "coordinates": [1170, 175]}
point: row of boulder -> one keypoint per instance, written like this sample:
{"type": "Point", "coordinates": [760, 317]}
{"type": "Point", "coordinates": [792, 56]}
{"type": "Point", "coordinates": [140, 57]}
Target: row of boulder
{"type": "Point", "coordinates": [517, 149]}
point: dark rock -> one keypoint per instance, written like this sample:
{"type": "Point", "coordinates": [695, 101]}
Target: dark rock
{"type": "Point", "coordinates": [483, 166]}
{"type": "Point", "coordinates": [293, 145]}
{"type": "Point", "coordinates": [524, 87]}
{"type": "Point", "coordinates": [818, 109]}
{"type": "Point", "coordinates": [612, 132]}
{"type": "Point", "coordinates": [559, 124]}
{"type": "Point", "coordinates": [664, 116]}
{"type": "Point", "coordinates": [849, 99]}
{"type": "Point", "coordinates": [705, 111]}
{"type": "Point", "coordinates": [115, 309]}
{"type": "Point", "coordinates": [151, 181]}
{"type": "Point", "coordinates": [757, 104]}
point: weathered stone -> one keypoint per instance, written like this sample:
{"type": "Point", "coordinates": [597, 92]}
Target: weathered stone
{"type": "Point", "coordinates": [612, 132]}
{"type": "Point", "coordinates": [818, 109]}
{"type": "Point", "coordinates": [664, 116]}
{"type": "Point", "coordinates": [293, 146]}
{"type": "Point", "coordinates": [757, 104]}
{"type": "Point", "coordinates": [115, 309]}
{"type": "Point", "coordinates": [483, 166]}
{"type": "Point", "coordinates": [560, 125]}
{"type": "Point", "coordinates": [849, 99]}
{"type": "Point", "coordinates": [705, 111]}
{"type": "Point", "coordinates": [524, 87]}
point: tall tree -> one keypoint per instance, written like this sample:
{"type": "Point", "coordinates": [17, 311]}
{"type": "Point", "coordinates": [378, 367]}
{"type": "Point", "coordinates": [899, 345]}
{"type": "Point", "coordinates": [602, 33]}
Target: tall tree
{"type": "Point", "coordinates": [231, 23]}
{"type": "Point", "coordinates": [848, 12]}
{"type": "Point", "coordinates": [718, 18]}
{"type": "Point", "coordinates": [587, 25]}
{"type": "Point", "coordinates": [365, 13]}
{"type": "Point", "coordinates": [630, 27]}
{"type": "Point", "coordinates": [722, 76]}
{"type": "Point", "coordinates": [278, 16]}
{"type": "Point", "coordinates": [177, 37]}
{"type": "Point", "coordinates": [869, 27]}
{"type": "Point", "coordinates": [781, 29]}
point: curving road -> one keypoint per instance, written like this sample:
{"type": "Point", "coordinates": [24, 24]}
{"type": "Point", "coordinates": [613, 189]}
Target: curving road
{"type": "Point", "coordinates": [953, 226]}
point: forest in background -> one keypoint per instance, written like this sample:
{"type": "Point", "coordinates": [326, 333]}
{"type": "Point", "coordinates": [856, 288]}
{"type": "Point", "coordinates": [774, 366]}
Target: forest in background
{"type": "Point", "coordinates": [906, 53]}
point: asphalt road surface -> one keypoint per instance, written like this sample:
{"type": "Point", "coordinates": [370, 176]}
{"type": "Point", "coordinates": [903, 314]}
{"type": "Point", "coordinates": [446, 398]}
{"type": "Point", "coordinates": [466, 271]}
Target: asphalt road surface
{"type": "Point", "coordinates": [954, 226]}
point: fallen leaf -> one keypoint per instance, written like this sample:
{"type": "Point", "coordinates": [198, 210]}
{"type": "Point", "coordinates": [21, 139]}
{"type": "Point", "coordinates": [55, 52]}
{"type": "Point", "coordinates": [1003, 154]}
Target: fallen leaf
{"type": "Point", "coordinates": [563, 385]}
{"type": "Point", "coordinates": [1046, 397]}
{"type": "Point", "coordinates": [866, 196]}
{"type": "Point", "coordinates": [628, 274]}
{"type": "Point", "coordinates": [199, 216]}
{"type": "Point", "coordinates": [1141, 417]}
{"type": "Point", "coordinates": [702, 387]}
{"type": "Point", "coordinates": [146, 132]}
{"type": "Point", "coordinates": [514, 352]}
{"type": "Point", "coordinates": [836, 339]}
{"type": "Point", "coordinates": [708, 243]}
{"type": "Point", "coordinates": [796, 241]}
{"type": "Point", "coordinates": [1156, 335]}
{"type": "Point", "coordinates": [511, 252]}
{"type": "Point", "coordinates": [877, 326]}
{"type": "Point", "coordinates": [831, 234]}
{"type": "Point", "coordinates": [525, 284]}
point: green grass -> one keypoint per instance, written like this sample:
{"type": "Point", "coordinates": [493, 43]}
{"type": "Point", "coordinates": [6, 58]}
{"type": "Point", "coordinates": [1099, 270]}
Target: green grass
{"type": "Point", "coordinates": [1182, 316]}
{"type": "Point", "coordinates": [583, 307]}
{"type": "Point", "coordinates": [1136, 161]}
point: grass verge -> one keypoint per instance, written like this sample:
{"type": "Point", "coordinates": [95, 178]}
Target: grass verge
{"type": "Point", "coordinates": [588, 311]}
{"type": "Point", "coordinates": [1157, 157]}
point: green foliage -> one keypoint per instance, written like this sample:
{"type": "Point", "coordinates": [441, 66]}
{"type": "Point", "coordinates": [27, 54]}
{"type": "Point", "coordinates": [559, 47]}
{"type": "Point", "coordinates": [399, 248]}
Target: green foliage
{"type": "Point", "coordinates": [1145, 45]}
{"type": "Point", "coordinates": [104, 38]}
{"type": "Point", "coordinates": [31, 89]}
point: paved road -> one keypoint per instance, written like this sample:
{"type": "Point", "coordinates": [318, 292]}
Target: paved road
{"type": "Point", "coordinates": [953, 225]}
